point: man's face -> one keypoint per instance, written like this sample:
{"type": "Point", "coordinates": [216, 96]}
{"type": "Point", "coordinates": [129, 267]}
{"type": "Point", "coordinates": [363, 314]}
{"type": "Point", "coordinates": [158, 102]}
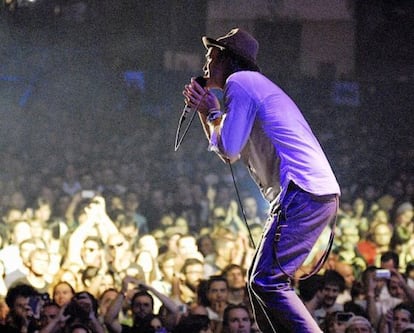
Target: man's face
{"type": "Point", "coordinates": [91, 254]}
{"type": "Point", "coordinates": [21, 306]}
{"type": "Point", "coordinates": [400, 320]}
{"type": "Point", "coordinates": [187, 246]}
{"type": "Point", "coordinates": [250, 207]}
{"type": "Point", "coordinates": [131, 202]}
{"type": "Point", "coordinates": [141, 306]}
{"type": "Point", "coordinates": [39, 263]}
{"type": "Point", "coordinates": [25, 249]}
{"type": "Point", "coordinates": [239, 321]}
{"type": "Point", "coordinates": [168, 269]}
{"type": "Point", "coordinates": [213, 68]}
{"type": "Point", "coordinates": [348, 274]}
{"type": "Point", "coordinates": [193, 274]}
{"type": "Point", "coordinates": [218, 292]}
{"type": "Point", "coordinates": [117, 247]}
{"type": "Point", "coordinates": [395, 288]}
{"type": "Point", "coordinates": [235, 278]}
{"type": "Point", "coordinates": [207, 64]}
{"type": "Point", "coordinates": [389, 264]}
{"type": "Point", "coordinates": [206, 246]}
{"type": "Point", "coordinates": [330, 293]}
{"type": "Point", "coordinates": [49, 313]}
{"type": "Point", "coordinates": [382, 235]}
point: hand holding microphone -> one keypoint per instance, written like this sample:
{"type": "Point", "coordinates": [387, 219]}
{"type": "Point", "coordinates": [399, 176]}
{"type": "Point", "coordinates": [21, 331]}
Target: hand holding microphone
{"type": "Point", "coordinates": [194, 92]}
{"type": "Point", "coordinates": [198, 98]}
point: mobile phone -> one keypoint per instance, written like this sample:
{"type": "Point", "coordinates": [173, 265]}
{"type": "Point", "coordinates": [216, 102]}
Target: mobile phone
{"type": "Point", "coordinates": [343, 317]}
{"type": "Point", "coordinates": [182, 308]}
{"type": "Point", "coordinates": [87, 194]}
{"type": "Point", "coordinates": [45, 297]}
{"type": "Point", "coordinates": [33, 303]}
{"type": "Point", "coordinates": [382, 273]}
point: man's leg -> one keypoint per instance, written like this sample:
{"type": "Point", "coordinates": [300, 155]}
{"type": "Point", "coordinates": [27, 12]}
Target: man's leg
{"type": "Point", "coordinates": [277, 306]}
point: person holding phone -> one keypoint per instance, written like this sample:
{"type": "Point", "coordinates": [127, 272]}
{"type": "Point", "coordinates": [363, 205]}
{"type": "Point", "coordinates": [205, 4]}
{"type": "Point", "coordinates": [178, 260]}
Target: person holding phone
{"type": "Point", "coordinates": [22, 300]}
{"type": "Point", "coordinates": [336, 321]}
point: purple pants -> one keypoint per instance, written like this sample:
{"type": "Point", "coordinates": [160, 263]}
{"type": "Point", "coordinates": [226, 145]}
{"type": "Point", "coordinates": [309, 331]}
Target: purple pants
{"type": "Point", "coordinates": [300, 219]}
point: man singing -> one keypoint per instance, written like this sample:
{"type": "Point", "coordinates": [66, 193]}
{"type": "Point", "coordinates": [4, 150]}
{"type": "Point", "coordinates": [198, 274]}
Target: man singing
{"type": "Point", "coordinates": [259, 123]}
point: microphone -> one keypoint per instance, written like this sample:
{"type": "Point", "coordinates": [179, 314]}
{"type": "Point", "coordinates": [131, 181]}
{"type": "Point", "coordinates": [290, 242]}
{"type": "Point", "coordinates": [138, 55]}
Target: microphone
{"type": "Point", "coordinates": [202, 81]}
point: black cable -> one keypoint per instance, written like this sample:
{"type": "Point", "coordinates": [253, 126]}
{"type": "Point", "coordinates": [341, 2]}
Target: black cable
{"type": "Point", "coordinates": [182, 118]}
{"type": "Point", "coordinates": [241, 206]}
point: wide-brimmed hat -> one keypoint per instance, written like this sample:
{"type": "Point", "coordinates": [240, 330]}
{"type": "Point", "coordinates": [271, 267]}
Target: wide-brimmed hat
{"type": "Point", "coordinates": [238, 41]}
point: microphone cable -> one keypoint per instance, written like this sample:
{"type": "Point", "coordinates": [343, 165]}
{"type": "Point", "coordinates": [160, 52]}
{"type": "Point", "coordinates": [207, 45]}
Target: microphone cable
{"type": "Point", "coordinates": [178, 140]}
{"type": "Point", "coordinates": [241, 206]}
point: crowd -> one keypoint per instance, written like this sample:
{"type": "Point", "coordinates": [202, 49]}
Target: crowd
{"type": "Point", "coordinates": [119, 233]}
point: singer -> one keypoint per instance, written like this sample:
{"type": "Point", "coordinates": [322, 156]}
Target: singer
{"type": "Point", "coordinates": [258, 123]}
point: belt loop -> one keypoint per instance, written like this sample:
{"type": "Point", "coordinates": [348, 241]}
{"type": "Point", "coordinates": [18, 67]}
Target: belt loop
{"type": "Point", "coordinates": [279, 226]}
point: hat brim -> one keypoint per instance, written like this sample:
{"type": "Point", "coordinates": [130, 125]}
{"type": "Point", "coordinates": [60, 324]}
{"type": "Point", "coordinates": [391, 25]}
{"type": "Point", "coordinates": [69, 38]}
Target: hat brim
{"type": "Point", "coordinates": [210, 42]}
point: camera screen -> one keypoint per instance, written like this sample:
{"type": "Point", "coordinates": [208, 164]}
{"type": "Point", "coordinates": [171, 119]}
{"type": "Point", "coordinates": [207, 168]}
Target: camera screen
{"type": "Point", "coordinates": [343, 317]}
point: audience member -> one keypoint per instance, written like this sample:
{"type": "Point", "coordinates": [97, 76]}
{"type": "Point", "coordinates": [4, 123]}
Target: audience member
{"type": "Point", "coordinates": [397, 318]}
{"type": "Point", "coordinates": [358, 324]}
{"type": "Point", "coordinates": [335, 322]}
{"type": "Point", "coordinates": [4, 310]}
{"type": "Point", "coordinates": [347, 245]}
{"type": "Point", "coordinates": [104, 301]}
{"type": "Point", "coordinates": [310, 292]}
{"type": "Point", "coordinates": [83, 309]}
{"type": "Point", "coordinates": [187, 283]}
{"type": "Point", "coordinates": [206, 246]}
{"type": "Point", "coordinates": [62, 293]}
{"type": "Point", "coordinates": [251, 211]}
{"type": "Point", "coordinates": [48, 313]}
{"type": "Point", "coordinates": [38, 267]}
{"type": "Point", "coordinates": [333, 285]}
{"type": "Point", "coordinates": [146, 257]}
{"type": "Point", "coordinates": [141, 305]}
{"type": "Point", "coordinates": [119, 255]}
{"type": "Point", "coordinates": [347, 272]}
{"type": "Point", "coordinates": [236, 279]}
{"type": "Point", "coordinates": [217, 292]}
{"type": "Point", "coordinates": [237, 319]}
{"type": "Point", "coordinates": [193, 323]}
{"type": "Point", "coordinates": [22, 309]}
{"type": "Point", "coordinates": [409, 273]}
{"type": "Point", "coordinates": [132, 205]}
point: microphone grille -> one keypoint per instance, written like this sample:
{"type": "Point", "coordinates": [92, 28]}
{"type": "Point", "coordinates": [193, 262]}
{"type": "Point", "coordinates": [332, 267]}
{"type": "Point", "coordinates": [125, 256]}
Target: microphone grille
{"type": "Point", "coordinates": [202, 81]}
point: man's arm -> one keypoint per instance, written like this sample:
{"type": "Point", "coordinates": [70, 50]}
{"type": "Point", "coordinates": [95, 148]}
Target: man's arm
{"type": "Point", "coordinates": [111, 317]}
{"type": "Point", "coordinates": [169, 303]}
{"type": "Point", "coordinates": [372, 310]}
